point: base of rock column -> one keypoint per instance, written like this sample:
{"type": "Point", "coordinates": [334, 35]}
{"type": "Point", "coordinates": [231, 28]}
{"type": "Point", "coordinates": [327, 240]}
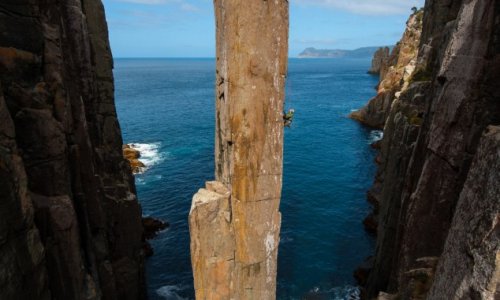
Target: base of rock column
{"type": "Point", "coordinates": [212, 241]}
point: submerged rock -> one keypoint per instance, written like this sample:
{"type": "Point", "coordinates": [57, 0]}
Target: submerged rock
{"type": "Point", "coordinates": [363, 270]}
{"type": "Point", "coordinates": [376, 145]}
{"type": "Point", "coordinates": [371, 223]}
{"type": "Point", "coordinates": [152, 226]}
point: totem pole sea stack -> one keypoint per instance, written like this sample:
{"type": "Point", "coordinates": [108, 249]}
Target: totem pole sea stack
{"type": "Point", "coordinates": [235, 220]}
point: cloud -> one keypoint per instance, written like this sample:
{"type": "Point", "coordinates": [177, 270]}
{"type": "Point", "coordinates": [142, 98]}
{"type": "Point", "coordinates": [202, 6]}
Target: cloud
{"type": "Point", "coordinates": [189, 7]}
{"type": "Point", "coordinates": [366, 7]}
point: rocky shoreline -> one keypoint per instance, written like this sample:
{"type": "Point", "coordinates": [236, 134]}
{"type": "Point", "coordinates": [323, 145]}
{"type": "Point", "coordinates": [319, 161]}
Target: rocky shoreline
{"type": "Point", "coordinates": [151, 228]}
{"type": "Point", "coordinates": [395, 71]}
{"type": "Point", "coordinates": [132, 155]}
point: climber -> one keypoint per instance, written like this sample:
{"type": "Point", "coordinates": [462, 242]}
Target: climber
{"type": "Point", "coordinates": [288, 117]}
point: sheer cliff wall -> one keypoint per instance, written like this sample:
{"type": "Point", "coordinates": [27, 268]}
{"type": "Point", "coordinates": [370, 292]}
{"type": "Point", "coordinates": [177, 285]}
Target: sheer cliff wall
{"type": "Point", "coordinates": [70, 222]}
{"type": "Point", "coordinates": [380, 62]}
{"type": "Point", "coordinates": [235, 222]}
{"type": "Point", "coordinates": [437, 205]}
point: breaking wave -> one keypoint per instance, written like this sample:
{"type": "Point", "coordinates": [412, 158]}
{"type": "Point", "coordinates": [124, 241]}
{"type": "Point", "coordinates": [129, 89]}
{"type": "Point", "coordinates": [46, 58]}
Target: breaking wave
{"type": "Point", "coordinates": [171, 292]}
{"type": "Point", "coordinates": [375, 136]}
{"type": "Point", "coordinates": [150, 154]}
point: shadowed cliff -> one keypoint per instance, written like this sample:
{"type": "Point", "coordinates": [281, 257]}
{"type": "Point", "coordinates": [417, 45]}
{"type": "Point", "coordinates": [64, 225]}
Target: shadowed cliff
{"type": "Point", "coordinates": [436, 203]}
{"type": "Point", "coordinates": [70, 222]}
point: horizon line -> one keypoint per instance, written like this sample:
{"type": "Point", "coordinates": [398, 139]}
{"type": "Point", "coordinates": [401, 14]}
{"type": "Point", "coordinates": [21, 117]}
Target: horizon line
{"type": "Point", "coordinates": [289, 56]}
{"type": "Point", "coordinates": [208, 57]}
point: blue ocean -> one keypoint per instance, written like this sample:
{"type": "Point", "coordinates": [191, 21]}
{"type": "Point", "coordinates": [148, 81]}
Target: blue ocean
{"type": "Point", "coordinates": [166, 108]}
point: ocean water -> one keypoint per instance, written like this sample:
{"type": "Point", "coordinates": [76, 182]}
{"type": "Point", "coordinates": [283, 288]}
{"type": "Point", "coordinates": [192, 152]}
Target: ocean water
{"type": "Point", "coordinates": [166, 107]}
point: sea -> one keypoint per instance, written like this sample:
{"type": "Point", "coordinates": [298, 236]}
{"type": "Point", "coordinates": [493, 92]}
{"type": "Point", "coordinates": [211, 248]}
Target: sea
{"type": "Point", "coordinates": [166, 109]}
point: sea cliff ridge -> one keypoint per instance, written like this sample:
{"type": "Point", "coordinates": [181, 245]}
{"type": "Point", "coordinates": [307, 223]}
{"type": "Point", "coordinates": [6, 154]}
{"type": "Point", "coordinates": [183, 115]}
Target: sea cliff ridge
{"type": "Point", "coordinates": [434, 199]}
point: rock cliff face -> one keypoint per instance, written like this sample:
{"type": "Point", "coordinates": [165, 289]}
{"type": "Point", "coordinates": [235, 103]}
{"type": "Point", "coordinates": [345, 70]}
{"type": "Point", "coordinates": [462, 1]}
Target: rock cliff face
{"type": "Point", "coordinates": [380, 62]}
{"type": "Point", "coordinates": [395, 72]}
{"type": "Point", "coordinates": [436, 189]}
{"type": "Point", "coordinates": [70, 223]}
{"type": "Point", "coordinates": [470, 263]}
{"type": "Point", "coordinates": [235, 221]}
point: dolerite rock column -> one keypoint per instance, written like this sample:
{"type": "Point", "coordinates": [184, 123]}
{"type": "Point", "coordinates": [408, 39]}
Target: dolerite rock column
{"type": "Point", "coordinates": [235, 221]}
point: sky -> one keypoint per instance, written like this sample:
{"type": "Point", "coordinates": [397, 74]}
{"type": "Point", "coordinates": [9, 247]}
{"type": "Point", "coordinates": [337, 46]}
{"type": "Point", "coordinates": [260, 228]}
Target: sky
{"type": "Point", "coordinates": [186, 28]}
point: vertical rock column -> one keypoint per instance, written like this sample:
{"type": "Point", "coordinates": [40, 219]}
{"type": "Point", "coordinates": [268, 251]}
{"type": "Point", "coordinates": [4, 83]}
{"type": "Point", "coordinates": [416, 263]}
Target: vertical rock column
{"type": "Point", "coordinates": [235, 221]}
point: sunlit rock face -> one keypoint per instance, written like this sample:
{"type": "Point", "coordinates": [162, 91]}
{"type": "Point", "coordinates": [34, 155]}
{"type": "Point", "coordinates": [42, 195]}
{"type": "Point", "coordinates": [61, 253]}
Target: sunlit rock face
{"type": "Point", "coordinates": [70, 223]}
{"type": "Point", "coordinates": [243, 205]}
{"type": "Point", "coordinates": [380, 62]}
{"type": "Point", "coordinates": [437, 208]}
{"type": "Point", "coordinates": [395, 72]}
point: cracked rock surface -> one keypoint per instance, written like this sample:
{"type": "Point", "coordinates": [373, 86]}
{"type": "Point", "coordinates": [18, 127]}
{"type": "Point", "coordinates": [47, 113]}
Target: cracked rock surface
{"type": "Point", "coordinates": [242, 207]}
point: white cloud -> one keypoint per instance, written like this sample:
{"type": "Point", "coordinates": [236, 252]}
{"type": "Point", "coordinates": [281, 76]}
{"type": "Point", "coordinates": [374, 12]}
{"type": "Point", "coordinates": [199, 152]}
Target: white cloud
{"type": "Point", "coordinates": [189, 7]}
{"type": "Point", "coordinates": [366, 7]}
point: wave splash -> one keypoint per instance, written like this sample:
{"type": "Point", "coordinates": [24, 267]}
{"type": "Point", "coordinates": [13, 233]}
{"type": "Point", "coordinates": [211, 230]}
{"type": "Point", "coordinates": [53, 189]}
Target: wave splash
{"type": "Point", "coordinates": [375, 136]}
{"type": "Point", "coordinates": [338, 293]}
{"type": "Point", "coordinates": [150, 154]}
{"type": "Point", "coordinates": [170, 292]}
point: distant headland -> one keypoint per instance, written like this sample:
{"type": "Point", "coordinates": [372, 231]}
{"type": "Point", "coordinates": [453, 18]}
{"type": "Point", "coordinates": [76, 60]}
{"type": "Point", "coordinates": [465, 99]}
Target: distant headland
{"type": "Point", "coordinates": [312, 52]}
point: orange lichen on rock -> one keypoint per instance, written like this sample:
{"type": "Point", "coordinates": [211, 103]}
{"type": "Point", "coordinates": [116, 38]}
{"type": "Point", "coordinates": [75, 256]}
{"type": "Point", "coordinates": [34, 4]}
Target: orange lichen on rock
{"type": "Point", "coordinates": [132, 156]}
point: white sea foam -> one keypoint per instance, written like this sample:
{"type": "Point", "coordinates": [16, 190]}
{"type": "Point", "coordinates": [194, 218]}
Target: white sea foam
{"type": "Point", "coordinates": [285, 239]}
{"type": "Point", "coordinates": [150, 154]}
{"type": "Point", "coordinates": [375, 136]}
{"type": "Point", "coordinates": [346, 293]}
{"type": "Point", "coordinates": [170, 292]}
{"type": "Point", "coordinates": [337, 293]}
